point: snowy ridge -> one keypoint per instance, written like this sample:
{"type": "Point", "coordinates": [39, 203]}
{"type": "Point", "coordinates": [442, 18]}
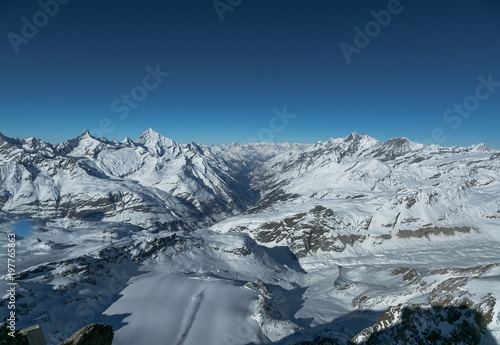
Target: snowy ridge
{"type": "Point", "coordinates": [353, 190]}
{"type": "Point", "coordinates": [154, 182]}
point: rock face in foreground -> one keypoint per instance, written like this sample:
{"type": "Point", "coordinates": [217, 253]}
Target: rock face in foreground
{"type": "Point", "coordinates": [416, 325]}
{"type": "Point", "coordinates": [436, 325]}
{"type": "Point", "coordinates": [93, 334]}
{"type": "Point", "coordinates": [6, 339]}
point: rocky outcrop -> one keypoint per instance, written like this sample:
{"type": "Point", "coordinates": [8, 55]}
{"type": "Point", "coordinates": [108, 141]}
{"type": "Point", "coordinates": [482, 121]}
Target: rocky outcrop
{"type": "Point", "coordinates": [270, 314]}
{"type": "Point", "coordinates": [422, 326]}
{"type": "Point", "coordinates": [93, 334]}
{"type": "Point", "coordinates": [426, 232]}
{"type": "Point", "coordinates": [319, 229]}
{"type": "Point", "coordinates": [451, 314]}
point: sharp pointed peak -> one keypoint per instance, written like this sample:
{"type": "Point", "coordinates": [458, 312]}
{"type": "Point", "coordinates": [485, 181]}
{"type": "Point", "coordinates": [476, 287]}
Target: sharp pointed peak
{"type": "Point", "coordinates": [156, 142]}
{"type": "Point", "coordinates": [150, 133]}
{"type": "Point", "coordinates": [11, 139]}
{"type": "Point", "coordinates": [127, 141]}
{"type": "Point", "coordinates": [352, 136]}
{"type": "Point", "coordinates": [85, 135]}
{"type": "Point", "coordinates": [33, 140]}
{"type": "Point", "coordinates": [356, 135]}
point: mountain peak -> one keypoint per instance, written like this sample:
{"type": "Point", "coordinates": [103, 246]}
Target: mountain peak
{"type": "Point", "coordinates": [156, 142]}
{"type": "Point", "coordinates": [355, 136]}
{"type": "Point", "coordinates": [10, 140]}
{"type": "Point", "coordinates": [127, 142]}
{"type": "Point", "coordinates": [362, 141]}
{"type": "Point", "coordinates": [150, 133]}
{"type": "Point", "coordinates": [402, 144]}
{"type": "Point", "coordinates": [481, 147]}
{"type": "Point", "coordinates": [352, 136]}
{"type": "Point", "coordinates": [85, 135]}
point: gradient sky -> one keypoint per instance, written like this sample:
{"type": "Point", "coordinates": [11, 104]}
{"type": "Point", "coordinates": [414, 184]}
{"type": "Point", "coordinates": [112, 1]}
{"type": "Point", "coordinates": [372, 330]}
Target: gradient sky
{"type": "Point", "coordinates": [226, 77]}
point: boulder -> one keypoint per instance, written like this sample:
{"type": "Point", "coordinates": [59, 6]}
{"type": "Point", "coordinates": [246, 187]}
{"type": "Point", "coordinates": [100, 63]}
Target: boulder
{"type": "Point", "coordinates": [93, 334]}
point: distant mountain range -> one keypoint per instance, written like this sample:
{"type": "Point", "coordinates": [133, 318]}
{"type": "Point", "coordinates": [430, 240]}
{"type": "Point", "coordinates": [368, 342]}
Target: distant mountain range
{"type": "Point", "coordinates": [371, 189]}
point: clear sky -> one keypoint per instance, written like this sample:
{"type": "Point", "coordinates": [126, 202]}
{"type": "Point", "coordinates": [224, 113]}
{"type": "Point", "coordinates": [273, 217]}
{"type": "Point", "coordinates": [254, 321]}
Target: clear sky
{"type": "Point", "coordinates": [385, 68]}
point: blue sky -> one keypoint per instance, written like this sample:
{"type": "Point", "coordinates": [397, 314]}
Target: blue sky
{"type": "Point", "coordinates": [226, 77]}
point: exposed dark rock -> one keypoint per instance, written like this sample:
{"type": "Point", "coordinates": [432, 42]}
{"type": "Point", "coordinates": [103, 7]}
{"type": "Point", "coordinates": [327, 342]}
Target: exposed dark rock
{"type": "Point", "coordinates": [272, 198]}
{"type": "Point", "coordinates": [309, 232]}
{"type": "Point", "coordinates": [34, 334]}
{"type": "Point", "coordinates": [258, 286]}
{"type": "Point", "coordinates": [424, 326]}
{"type": "Point", "coordinates": [393, 149]}
{"type": "Point", "coordinates": [93, 334]}
{"type": "Point", "coordinates": [433, 231]}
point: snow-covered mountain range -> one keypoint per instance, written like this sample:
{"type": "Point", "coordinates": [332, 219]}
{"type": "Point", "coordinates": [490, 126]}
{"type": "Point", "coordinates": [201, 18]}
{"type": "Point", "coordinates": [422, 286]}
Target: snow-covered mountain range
{"type": "Point", "coordinates": [260, 243]}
